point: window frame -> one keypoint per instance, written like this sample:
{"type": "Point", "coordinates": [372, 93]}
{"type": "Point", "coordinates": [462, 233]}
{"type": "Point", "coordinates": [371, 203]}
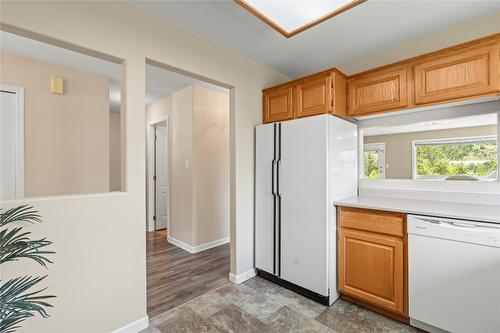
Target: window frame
{"type": "Point", "coordinates": [468, 139]}
{"type": "Point", "coordinates": [379, 147]}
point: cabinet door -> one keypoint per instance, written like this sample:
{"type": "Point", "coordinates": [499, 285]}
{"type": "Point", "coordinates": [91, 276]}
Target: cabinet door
{"type": "Point", "coordinates": [464, 74]}
{"type": "Point", "coordinates": [314, 96]}
{"type": "Point", "coordinates": [278, 104]}
{"type": "Point", "coordinates": [378, 91]}
{"type": "Point", "coordinates": [371, 268]}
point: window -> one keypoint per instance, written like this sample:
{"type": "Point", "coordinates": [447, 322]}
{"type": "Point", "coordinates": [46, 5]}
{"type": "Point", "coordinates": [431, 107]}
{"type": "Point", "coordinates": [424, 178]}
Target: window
{"type": "Point", "coordinates": [374, 160]}
{"type": "Point", "coordinates": [467, 158]}
{"type": "Point", "coordinates": [292, 17]}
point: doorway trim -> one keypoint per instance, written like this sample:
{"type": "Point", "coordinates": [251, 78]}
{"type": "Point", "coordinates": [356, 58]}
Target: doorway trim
{"type": "Point", "coordinates": [19, 137]}
{"type": "Point", "coordinates": [151, 167]}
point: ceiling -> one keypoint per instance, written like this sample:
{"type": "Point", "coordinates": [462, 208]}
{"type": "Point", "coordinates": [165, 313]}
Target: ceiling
{"type": "Point", "coordinates": [372, 26]}
{"type": "Point", "coordinates": [159, 82]}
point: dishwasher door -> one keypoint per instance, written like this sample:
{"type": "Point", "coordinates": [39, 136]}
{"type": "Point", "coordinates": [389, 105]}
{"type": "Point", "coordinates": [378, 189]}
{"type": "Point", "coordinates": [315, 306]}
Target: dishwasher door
{"type": "Point", "coordinates": [453, 275]}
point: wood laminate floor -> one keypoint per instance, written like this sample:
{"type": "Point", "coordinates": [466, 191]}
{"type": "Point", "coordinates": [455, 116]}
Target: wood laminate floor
{"type": "Point", "coordinates": [175, 276]}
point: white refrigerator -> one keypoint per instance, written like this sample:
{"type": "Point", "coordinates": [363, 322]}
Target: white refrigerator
{"type": "Point", "coordinates": [302, 167]}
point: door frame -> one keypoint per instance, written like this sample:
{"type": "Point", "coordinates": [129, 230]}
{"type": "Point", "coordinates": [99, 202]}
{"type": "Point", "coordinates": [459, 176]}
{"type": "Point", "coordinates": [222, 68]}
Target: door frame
{"type": "Point", "coordinates": [19, 139]}
{"type": "Point", "coordinates": [151, 167]}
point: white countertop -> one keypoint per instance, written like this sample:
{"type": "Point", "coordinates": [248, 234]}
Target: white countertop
{"type": "Point", "coordinates": [476, 212]}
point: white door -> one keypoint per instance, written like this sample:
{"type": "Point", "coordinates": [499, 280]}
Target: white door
{"type": "Point", "coordinates": [161, 173]}
{"type": "Point", "coordinates": [11, 143]}
{"type": "Point", "coordinates": [303, 190]}
{"type": "Point", "coordinates": [265, 165]}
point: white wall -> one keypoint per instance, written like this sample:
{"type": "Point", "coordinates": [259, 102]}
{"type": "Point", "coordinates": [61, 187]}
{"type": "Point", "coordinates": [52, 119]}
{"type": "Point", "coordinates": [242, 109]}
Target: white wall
{"type": "Point", "coordinates": [99, 274]}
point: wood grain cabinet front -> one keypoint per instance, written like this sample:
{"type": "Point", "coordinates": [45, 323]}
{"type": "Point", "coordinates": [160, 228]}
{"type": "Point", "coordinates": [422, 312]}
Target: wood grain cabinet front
{"type": "Point", "coordinates": [320, 93]}
{"type": "Point", "coordinates": [313, 96]}
{"type": "Point", "coordinates": [372, 264]}
{"type": "Point", "coordinates": [278, 104]}
{"type": "Point", "coordinates": [378, 91]}
{"type": "Point", "coordinates": [456, 75]}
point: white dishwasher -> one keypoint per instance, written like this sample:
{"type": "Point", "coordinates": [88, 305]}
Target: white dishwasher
{"type": "Point", "coordinates": [453, 275]}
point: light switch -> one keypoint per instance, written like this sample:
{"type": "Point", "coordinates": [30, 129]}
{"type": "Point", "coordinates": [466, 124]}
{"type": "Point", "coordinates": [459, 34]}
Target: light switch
{"type": "Point", "coordinates": [186, 164]}
{"type": "Point", "coordinates": [57, 85]}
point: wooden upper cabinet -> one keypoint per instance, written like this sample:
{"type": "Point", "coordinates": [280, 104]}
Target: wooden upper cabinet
{"type": "Point", "coordinates": [464, 73]}
{"type": "Point", "coordinates": [278, 104]}
{"type": "Point", "coordinates": [320, 93]}
{"type": "Point", "coordinates": [313, 96]}
{"type": "Point", "coordinates": [378, 91]}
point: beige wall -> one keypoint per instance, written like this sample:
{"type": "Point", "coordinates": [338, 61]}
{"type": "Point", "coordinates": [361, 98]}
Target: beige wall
{"type": "Point", "coordinates": [99, 274]}
{"type": "Point", "coordinates": [460, 33]}
{"type": "Point", "coordinates": [66, 136]}
{"type": "Point", "coordinates": [115, 154]}
{"type": "Point", "coordinates": [198, 122]}
{"type": "Point", "coordinates": [210, 165]}
{"type": "Point", "coordinates": [398, 147]}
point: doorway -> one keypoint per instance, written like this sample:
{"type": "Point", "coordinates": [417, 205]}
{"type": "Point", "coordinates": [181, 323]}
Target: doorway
{"type": "Point", "coordinates": [188, 172]}
{"type": "Point", "coordinates": [160, 178]}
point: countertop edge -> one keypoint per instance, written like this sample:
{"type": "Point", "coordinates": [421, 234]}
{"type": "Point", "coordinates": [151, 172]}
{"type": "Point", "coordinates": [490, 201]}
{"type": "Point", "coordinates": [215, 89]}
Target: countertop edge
{"type": "Point", "coordinates": [349, 202]}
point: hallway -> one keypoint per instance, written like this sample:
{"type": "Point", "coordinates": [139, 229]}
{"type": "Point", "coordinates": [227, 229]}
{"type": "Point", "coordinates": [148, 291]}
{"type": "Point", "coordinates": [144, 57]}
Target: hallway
{"type": "Point", "coordinates": [175, 276]}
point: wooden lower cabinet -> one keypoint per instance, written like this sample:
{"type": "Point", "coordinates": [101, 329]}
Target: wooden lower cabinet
{"type": "Point", "coordinates": [372, 261]}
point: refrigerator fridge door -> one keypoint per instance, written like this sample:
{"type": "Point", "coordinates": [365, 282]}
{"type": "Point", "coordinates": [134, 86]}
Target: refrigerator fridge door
{"type": "Point", "coordinates": [303, 191]}
{"type": "Point", "coordinates": [265, 188]}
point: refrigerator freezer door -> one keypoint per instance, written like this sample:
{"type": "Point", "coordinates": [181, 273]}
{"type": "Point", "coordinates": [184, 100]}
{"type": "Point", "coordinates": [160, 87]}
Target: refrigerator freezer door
{"type": "Point", "coordinates": [303, 186]}
{"type": "Point", "coordinates": [264, 198]}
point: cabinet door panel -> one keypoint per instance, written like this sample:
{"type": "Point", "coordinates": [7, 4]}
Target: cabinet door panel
{"type": "Point", "coordinates": [379, 91]}
{"type": "Point", "coordinates": [313, 97]}
{"type": "Point", "coordinates": [278, 104]}
{"type": "Point", "coordinates": [371, 268]}
{"type": "Point", "coordinates": [468, 73]}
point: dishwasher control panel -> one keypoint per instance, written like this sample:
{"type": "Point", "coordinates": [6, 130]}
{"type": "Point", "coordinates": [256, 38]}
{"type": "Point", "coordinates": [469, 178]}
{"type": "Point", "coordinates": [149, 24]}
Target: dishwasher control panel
{"type": "Point", "coordinates": [481, 233]}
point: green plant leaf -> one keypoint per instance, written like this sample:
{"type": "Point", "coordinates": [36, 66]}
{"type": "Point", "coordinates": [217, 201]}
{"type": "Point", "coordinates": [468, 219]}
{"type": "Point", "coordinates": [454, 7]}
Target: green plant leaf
{"type": "Point", "coordinates": [17, 304]}
{"type": "Point", "coordinates": [15, 244]}
{"type": "Point", "coordinates": [24, 213]}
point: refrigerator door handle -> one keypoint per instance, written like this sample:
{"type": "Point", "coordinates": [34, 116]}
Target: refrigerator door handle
{"type": "Point", "coordinates": [273, 177]}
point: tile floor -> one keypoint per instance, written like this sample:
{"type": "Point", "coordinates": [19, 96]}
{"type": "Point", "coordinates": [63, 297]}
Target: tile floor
{"type": "Point", "coordinates": [258, 305]}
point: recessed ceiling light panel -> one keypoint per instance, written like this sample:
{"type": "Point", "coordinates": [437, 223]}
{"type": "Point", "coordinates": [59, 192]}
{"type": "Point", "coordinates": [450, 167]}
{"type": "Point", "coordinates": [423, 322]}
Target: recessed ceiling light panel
{"type": "Point", "coordinates": [290, 17]}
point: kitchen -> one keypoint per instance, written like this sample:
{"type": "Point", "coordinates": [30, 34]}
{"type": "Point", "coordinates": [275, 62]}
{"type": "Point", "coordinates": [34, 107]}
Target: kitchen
{"type": "Point", "coordinates": [424, 248]}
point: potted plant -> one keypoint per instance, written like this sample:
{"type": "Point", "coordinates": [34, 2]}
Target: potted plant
{"type": "Point", "coordinates": [18, 301]}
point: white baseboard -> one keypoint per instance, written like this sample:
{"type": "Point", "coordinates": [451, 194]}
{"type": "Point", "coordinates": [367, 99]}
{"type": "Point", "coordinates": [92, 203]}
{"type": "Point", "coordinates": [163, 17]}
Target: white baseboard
{"type": "Point", "coordinates": [197, 248]}
{"type": "Point", "coordinates": [134, 327]}
{"type": "Point", "coordinates": [243, 276]}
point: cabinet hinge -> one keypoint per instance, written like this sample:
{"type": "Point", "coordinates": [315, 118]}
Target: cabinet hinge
{"type": "Point", "coordinates": [154, 177]}
{"type": "Point", "coordinates": [154, 218]}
